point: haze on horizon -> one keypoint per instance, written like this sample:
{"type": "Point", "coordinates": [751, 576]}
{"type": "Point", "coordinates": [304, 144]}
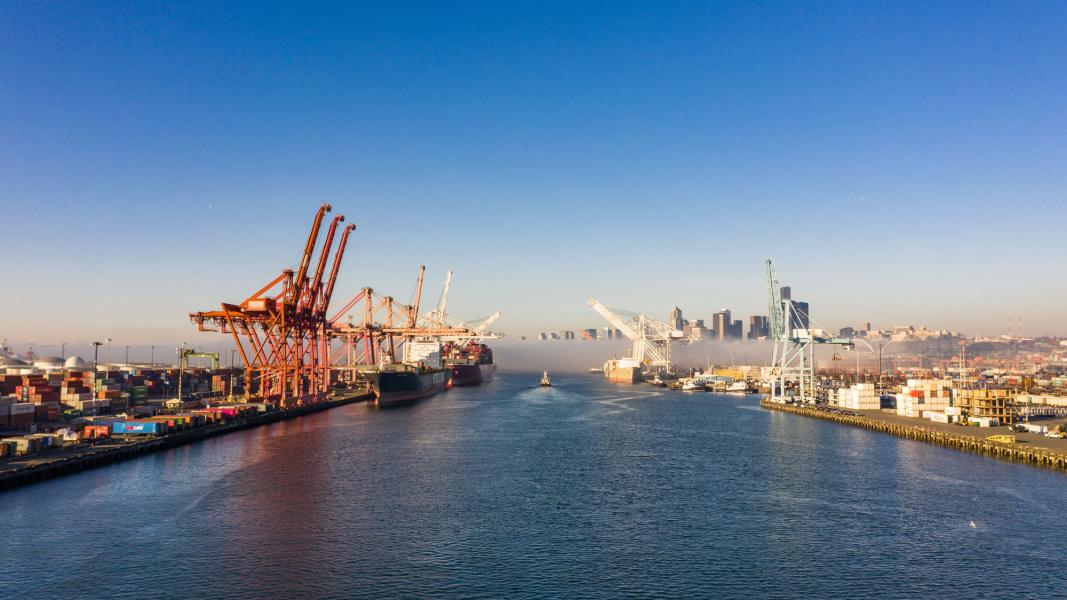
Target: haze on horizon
{"type": "Point", "coordinates": [902, 163]}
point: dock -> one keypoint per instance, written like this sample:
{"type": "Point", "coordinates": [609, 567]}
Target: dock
{"type": "Point", "coordinates": [62, 461]}
{"type": "Point", "coordinates": [1022, 453]}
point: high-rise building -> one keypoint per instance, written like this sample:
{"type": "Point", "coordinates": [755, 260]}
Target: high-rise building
{"type": "Point", "coordinates": [799, 316]}
{"type": "Point", "coordinates": [695, 330]}
{"type": "Point", "coordinates": [736, 329]}
{"type": "Point", "coordinates": [566, 334]}
{"type": "Point", "coordinates": [542, 336]}
{"type": "Point", "coordinates": [722, 324]}
{"type": "Point", "coordinates": [676, 321]}
{"type": "Point", "coordinates": [758, 327]}
{"type": "Point", "coordinates": [589, 334]}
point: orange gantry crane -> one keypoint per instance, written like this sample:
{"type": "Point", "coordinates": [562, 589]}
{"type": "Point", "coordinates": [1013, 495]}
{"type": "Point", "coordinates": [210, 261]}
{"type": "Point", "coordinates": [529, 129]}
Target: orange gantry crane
{"type": "Point", "coordinates": [286, 347]}
{"type": "Point", "coordinates": [383, 327]}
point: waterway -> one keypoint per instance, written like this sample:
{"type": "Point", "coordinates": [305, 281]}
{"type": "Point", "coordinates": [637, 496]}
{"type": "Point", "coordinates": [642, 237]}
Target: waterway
{"type": "Point", "coordinates": [583, 490]}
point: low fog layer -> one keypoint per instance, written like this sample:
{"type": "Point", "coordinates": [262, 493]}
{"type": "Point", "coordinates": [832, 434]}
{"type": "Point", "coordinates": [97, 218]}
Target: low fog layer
{"type": "Point", "coordinates": [581, 355]}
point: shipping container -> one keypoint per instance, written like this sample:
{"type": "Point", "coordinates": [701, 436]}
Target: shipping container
{"type": "Point", "coordinates": [138, 428]}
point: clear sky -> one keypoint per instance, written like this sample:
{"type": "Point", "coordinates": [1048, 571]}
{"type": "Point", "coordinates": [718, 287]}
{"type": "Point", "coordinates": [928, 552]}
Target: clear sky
{"type": "Point", "coordinates": [904, 162]}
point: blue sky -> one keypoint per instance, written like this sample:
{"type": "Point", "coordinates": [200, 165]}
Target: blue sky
{"type": "Point", "coordinates": [904, 163]}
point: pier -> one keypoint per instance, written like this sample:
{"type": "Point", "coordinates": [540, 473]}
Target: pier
{"type": "Point", "coordinates": [57, 462]}
{"type": "Point", "coordinates": [1042, 457]}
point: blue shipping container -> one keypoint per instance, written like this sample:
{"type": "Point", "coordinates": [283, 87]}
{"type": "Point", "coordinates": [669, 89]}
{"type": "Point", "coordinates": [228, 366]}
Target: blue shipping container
{"type": "Point", "coordinates": [124, 428]}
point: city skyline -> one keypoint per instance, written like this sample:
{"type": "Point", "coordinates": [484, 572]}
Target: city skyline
{"type": "Point", "coordinates": [901, 163]}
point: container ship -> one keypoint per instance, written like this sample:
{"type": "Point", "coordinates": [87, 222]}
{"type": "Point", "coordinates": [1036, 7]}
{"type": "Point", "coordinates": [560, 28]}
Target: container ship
{"type": "Point", "coordinates": [396, 385]}
{"type": "Point", "coordinates": [623, 370]}
{"type": "Point", "coordinates": [422, 374]}
{"type": "Point", "coordinates": [470, 363]}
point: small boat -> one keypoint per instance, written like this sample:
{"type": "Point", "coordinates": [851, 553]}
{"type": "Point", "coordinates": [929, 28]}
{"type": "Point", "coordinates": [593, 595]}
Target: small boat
{"type": "Point", "coordinates": [691, 385]}
{"type": "Point", "coordinates": [545, 381]}
{"type": "Point", "coordinates": [738, 387]}
{"type": "Point", "coordinates": [657, 382]}
{"type": "Point", "coordinates": [595, 370]}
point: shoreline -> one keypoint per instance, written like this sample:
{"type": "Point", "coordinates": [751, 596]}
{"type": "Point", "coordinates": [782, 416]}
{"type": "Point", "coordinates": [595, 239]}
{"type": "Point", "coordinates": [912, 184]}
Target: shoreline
{"type": "Point", "coordinates": [76, 459]}
{"type": "Point", "coordinates": [1034, 456]}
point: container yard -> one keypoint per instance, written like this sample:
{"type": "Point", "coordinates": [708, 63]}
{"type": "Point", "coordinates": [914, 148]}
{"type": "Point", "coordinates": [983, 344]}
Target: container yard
{"type": "Point", "coordinates": [39, 456]}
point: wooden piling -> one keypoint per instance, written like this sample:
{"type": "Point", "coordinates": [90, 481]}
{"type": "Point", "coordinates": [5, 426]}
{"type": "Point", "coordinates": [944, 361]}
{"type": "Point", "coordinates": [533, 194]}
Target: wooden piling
{"type": "Point", "coordinates": [1034, 456]}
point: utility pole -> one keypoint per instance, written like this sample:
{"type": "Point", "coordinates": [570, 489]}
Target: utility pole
{"type": "Point", "coordinates": [127, 355]}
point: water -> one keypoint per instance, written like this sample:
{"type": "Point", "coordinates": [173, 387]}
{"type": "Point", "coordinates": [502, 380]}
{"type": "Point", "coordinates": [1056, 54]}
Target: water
{"type": "Point", "coordinates": [586, 489]}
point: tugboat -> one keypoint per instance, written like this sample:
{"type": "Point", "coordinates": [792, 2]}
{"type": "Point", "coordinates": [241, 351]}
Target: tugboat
{"type": "Point", "coordinates": [657, 382]}
{"type": "Point", "coordinates": [545, 381]}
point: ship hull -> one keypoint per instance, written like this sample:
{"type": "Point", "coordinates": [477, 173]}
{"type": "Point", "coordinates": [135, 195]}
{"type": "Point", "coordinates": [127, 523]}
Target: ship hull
{"type": "Point", "coordinates": [398, 388]}
{"type": "Point", "coordinates": [620, 372]}
{"type": "Point", "coordinates": [470, 375]}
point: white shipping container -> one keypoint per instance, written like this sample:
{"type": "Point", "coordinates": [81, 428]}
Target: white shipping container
{"type": "Point", "coordinates": [21, 409]}
{"type": "Point", "coordinates": [937, 417]}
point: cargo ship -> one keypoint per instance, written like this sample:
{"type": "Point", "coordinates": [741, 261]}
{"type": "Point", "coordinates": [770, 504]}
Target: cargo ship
{"type": "Point", "coordinates": [403, 384]}
{"type": "Point", "coordinates": [623, 370]}
{"type": "Point", "coordinates": [422, 374]}
{"type": "Point", "coordinates": [469, 364]}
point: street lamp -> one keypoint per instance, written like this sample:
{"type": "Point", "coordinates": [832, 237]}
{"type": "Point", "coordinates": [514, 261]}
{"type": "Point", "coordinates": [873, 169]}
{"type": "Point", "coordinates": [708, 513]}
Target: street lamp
{"type": "Point", "coordinates": [96, 354]}
{"type": "Point", "coordinates": [108, 340]}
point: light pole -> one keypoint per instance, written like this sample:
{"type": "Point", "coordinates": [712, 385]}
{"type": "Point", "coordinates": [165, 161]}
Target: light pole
{"type": "Point", "coordinates": [127, 355]}
{"type": "Point", "coordinates": [153, 361]}
{"type": "Point", "coordinates": [96, 355]}
{"type": "Point", "coordinates": [181, 369]}
{"type": "Point", "coordinates": [108, 355]}
{"type": "Point", "coordinates": [63, 350]}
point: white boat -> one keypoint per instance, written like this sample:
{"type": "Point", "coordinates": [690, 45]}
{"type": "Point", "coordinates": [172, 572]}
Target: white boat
{"type": "Point", "coordinates": [691, 385]}
{"type": "Point", "coordinates": [545, 381]}
{"type": "Point", "coordinates": [737, 387]}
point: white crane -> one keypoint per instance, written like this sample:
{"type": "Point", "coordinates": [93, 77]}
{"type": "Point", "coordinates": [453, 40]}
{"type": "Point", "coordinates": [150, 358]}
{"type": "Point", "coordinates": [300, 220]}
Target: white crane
{"type": "Point", "coordinates": [651, 338]}
{"type": "Point", "coordinates": [438, 318]}
{"type": "Point", "coordinates": [793, 356]}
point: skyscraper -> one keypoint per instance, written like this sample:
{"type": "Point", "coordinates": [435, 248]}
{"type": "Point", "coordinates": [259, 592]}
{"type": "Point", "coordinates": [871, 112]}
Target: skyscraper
{"type": "Point", "coordinates": [758, 327]}
{"type": "Point", "coordinates": [722, 324]}
{"type": "Point", "coordinates": [798, 316]}
{"type": "Point", "coordinates": [676, 321]}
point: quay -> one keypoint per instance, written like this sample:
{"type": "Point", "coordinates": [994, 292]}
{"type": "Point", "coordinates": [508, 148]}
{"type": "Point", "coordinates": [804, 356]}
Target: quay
{"type": "Point", "coordinates": [1025, 451]}
{"type": "Point", "coordinates": [62, 461]}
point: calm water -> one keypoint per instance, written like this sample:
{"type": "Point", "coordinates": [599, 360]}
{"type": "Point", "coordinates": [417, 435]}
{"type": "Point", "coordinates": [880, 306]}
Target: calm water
{"type": "Point", "coordinates": [586, 489]}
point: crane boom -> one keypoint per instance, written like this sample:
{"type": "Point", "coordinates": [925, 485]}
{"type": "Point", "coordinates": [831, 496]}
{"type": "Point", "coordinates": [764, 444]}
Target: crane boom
{"type": "Point", "coordinates": [327, 294]}
{"type": "Point", "coordinates": [320, 269]}
{"type": "Point", "coordinates": [614, 319]}
{"type": "Point", "coordinates": [305, 260]}
{"type": "Point", "coordinates": [484, 325]}
{"type": "Point", "coordinates": [651, 338]}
